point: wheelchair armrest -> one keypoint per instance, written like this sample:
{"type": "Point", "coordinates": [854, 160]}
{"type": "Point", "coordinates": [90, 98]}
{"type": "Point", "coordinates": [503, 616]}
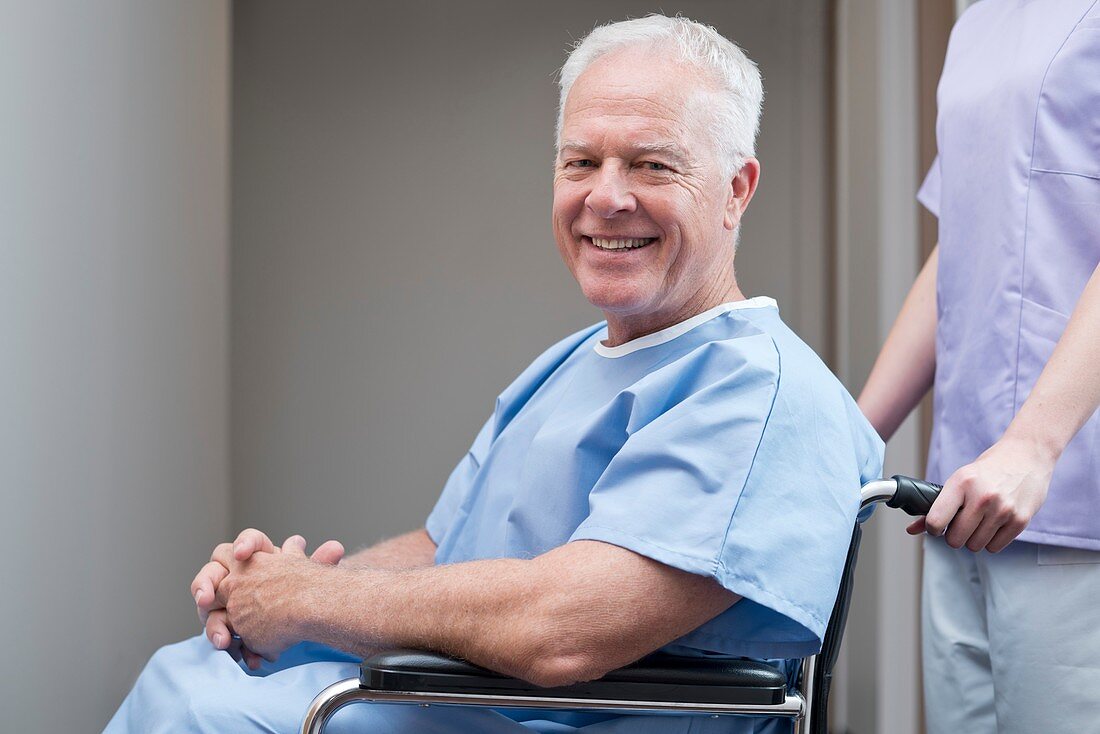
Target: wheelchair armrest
{"type": "Point", "coordinates": [658, 677]}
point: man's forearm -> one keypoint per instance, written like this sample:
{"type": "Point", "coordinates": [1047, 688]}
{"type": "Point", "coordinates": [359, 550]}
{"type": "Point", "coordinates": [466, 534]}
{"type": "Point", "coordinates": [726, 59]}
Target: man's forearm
{"type": "Point", "coordinates": [411, 550]}
{"type": "Point", "coordinates": [446, 608]}
{"type": "Point", "coordinates": [571, 614]}
{"type": "Point", "coordinates": [906, 366]}
{"type": "Point", "coordinates": [1067, 392]}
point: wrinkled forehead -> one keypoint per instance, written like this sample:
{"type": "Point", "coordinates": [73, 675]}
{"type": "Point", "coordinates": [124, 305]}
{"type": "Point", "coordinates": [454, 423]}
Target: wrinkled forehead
{"type": "Point", "coordinates": [640, 89]}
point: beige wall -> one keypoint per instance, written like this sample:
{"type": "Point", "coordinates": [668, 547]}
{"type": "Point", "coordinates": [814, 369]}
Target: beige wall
{"type": "Point", "coordinates": [113, 325]}
{"type": "Point", "coordinates": [877, 687]}
{"type": "Point", "coordinates": [393, 266]}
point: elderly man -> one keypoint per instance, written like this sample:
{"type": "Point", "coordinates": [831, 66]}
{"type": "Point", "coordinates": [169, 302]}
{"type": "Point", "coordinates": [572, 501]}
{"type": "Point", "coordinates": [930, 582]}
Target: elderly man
{"type": "Point", "coordinates": [683, 476]}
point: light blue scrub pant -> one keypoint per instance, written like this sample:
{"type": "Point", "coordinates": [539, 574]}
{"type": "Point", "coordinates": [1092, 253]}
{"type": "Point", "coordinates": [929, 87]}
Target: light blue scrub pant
{"type": "Point", "coordinates": [1011, 640]}
{"type": "Point", "coordinates": [191, 687]}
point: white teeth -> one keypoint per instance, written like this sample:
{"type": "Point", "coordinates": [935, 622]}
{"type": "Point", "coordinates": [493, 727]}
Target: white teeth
{"type": "Point", "coordinates": [604, 244]}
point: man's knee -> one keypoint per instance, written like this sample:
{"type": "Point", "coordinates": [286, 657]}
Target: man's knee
{"type": "Point", "coordinates": [210, 710]}
{"type": "Point", "coordinates": [244, 711]}
{"type": "Point", "coordinates": [172, 663]}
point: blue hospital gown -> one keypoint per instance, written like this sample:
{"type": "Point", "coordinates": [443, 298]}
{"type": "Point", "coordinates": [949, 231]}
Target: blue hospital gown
{"type": "Point", "coordinates": [721, 446]}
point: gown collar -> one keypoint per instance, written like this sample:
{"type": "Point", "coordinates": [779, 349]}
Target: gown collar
{"type": "Point", "coordinates": [671, 332]}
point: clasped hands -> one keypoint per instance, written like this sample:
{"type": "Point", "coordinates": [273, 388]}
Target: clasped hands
{"type": "Point", "coordinates": [256, 590]}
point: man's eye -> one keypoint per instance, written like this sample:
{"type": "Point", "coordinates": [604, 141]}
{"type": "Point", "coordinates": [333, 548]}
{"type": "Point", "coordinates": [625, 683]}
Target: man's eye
{"type": "Point", "coordinates": [654, 166]}
{"type": "Point", "coordinates": [581, 163]}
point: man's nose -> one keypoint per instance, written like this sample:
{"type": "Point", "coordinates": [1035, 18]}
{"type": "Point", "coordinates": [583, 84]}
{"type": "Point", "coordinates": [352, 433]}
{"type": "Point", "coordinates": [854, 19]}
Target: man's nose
{"type": "Point", "coordinates": [610, 194]}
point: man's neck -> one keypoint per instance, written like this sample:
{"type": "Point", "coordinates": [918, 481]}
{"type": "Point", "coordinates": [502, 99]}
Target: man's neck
{"type": "Point", "coordinates": [622, 329]}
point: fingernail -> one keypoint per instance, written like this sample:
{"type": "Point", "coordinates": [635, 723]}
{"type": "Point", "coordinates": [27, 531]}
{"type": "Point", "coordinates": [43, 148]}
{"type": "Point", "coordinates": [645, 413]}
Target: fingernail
{"type": "Point", "coordinates": [198, 596]}
{"type": "Point", "coordinates": [219, 640]}
{"type": "Point", "coordinates": [237, 548]}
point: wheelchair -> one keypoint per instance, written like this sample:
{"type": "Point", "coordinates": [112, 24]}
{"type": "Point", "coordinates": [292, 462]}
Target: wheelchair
{"type": "Point", "coordinates": [657, 684]}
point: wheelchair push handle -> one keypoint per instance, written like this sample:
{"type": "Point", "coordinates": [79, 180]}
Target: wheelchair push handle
{"type": "Point", "coordinates": [913, 496]}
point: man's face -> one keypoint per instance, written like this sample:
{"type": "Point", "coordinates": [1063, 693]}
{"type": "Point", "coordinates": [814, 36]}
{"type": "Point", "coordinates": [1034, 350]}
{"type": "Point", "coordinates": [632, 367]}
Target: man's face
{"type": "Point", "coordinates": [643, 216]}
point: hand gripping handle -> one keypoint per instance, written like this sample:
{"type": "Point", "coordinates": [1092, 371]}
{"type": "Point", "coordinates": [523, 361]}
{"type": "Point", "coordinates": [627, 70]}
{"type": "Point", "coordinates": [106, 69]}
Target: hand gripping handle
{"type": "Point", "coordinates": [913, 496]}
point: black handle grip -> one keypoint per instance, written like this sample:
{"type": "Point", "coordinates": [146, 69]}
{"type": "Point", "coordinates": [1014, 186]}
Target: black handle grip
{"type": "Point", "coordinates": [914, 497]}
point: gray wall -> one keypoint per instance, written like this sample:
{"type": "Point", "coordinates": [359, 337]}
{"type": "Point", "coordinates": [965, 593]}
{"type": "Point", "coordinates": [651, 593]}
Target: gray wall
{"type": "Point", "coordinates": [393, 266]}
{"type": "Point", "coordinates": [113, 325]}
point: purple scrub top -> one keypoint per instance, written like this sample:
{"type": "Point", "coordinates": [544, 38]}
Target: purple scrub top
{"type": "Point", "coordinates": [1016, 188]}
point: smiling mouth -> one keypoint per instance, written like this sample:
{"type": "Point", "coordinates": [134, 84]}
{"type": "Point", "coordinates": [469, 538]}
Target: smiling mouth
{"type": "Point", "coordinates": [623, 244]}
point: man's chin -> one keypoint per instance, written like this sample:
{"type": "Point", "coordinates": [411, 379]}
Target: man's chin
{"type": "Point", "coordinates": [617, 303]}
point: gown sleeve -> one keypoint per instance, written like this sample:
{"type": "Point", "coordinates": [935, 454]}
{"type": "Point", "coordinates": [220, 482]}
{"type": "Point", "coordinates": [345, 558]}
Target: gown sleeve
{"type": "Point", "coordinates": [458, 484]}
{"type": "Point", "coordinates": [754, 486]}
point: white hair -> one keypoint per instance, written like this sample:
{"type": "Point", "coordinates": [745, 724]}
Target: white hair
{"type": "Point", "coordinates": [735, 114]}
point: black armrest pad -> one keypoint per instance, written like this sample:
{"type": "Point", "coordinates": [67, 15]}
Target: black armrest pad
{"type": "Point", "coordinates": [658, 677]}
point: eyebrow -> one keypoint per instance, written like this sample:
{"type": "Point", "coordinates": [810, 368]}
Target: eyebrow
{"type": "Point", "coordinates": [670, 150]}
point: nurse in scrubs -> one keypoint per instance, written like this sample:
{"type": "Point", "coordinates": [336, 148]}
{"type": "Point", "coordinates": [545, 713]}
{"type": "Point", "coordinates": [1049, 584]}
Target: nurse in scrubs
{"type": "Point", "coordinates": [1004, 322]}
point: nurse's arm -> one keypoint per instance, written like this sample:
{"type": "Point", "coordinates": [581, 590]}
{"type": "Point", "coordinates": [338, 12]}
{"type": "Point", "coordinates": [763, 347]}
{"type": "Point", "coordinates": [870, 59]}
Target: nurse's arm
{"type": "Point", "coordinates": [571, 614]}
{"type": "Point", "coordinates": [906, 366]}
{"type": "Point", "coordinates": [1067, 392]}
{"type": "Point", "coordinates": [988, 503]}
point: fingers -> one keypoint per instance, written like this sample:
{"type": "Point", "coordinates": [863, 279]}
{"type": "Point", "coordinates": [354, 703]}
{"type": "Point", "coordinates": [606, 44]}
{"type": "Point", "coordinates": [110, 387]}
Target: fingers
{"type": "Point", "coordinates": [217, 629]}
{"type": "Point", "coordinates": [964, 525]}
{"type": "Point", "coordinates": [221, 637]}
{"type": "Point", "coordinates": [989, 528]}
{"type": "Point", "coordinates": [295, 545]}
{"type": "Point", "coordinates": [1005, 535]}
{"type": "Point", "coordinates": [916, 527]}
{"type": "Point", "coordinates": [251, 541]}
{"type": "Point", "coordinates": [984, 533]}
{"type": "Point", "coordinates": [975, 514]}
{"type": "Point", "coordinates": [204, 586]}
{"type": "Point", "coordinates": [236, 648]}
{"type": "Point", "coordinates": [945, 508]}
{"type": "Point", "coordinates": [223, 554]}
{"type": "Point", "coordinates": [330, 552]}
{"type": "Point", "coordinates": [251, 659]}
{"type": "Point", "coordinates": [984, 511]}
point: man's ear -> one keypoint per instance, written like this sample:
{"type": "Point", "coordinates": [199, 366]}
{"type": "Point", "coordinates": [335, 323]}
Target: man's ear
{"type": "Point", "coordinates": [742, 187]}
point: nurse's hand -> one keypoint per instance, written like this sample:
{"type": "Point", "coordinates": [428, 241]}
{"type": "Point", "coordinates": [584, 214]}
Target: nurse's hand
{"type": "Point", "coordinates": [988, 503]}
